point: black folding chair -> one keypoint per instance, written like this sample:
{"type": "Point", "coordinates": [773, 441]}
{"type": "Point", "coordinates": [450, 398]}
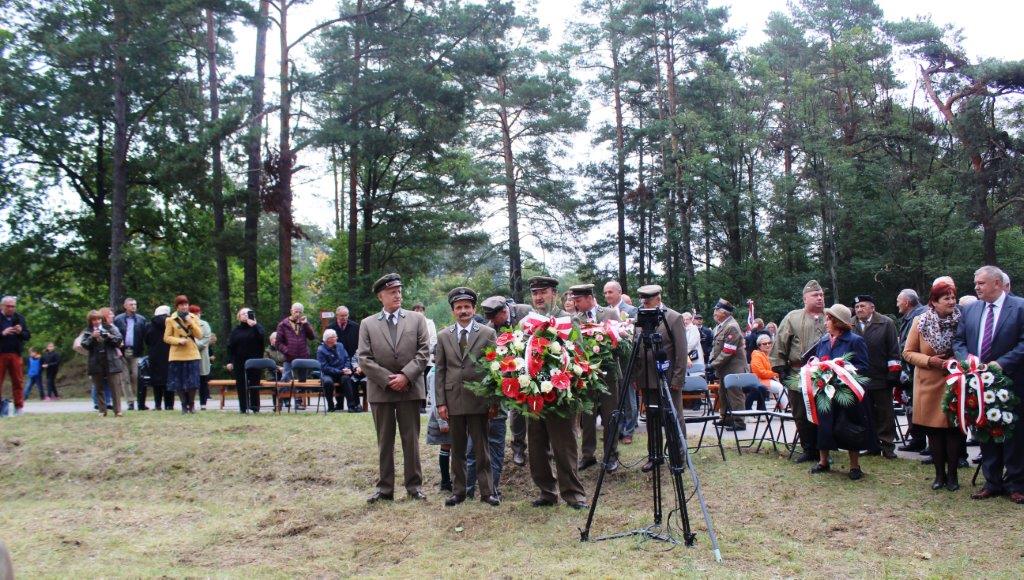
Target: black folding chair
{"type": "Point", "coordinates": [736, 382]}
{"type": "Point", "coordinates": [696, 385]}
{"type": "Point", "coordinates": [258, 364]}
{"type": "Point", "coordinates": [303, 369]}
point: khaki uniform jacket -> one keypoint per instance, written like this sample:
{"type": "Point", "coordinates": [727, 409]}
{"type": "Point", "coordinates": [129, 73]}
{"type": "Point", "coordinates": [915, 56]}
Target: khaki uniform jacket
{"type": "Point", "coordinates": [516, 312]}
{"type": "Point", "coordinates": [378, 357]}
{"type": "Point", "coordinates": [673, 341]}
{"type": "Point", "coordinates": [729, 351]}
{"type": "Point", "coordinates": [798, 332]}
{"type": "Point", "coordinates": [453, 369]}
{"type": "Point", "coordinates": [173, 333]}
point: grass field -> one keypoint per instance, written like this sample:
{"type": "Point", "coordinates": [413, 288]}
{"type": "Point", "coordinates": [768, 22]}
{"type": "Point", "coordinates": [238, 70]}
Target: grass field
{"type": "Point", "coordinates": [219, 494]}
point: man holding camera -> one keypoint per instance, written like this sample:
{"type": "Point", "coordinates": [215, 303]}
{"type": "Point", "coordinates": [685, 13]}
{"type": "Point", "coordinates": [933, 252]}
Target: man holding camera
{"type": "Point", "coordinates": [13, 335]}
{"type": "Point", "coordinates": [673, 345]}
{"type": "Point", "coordinates": [588, 312]}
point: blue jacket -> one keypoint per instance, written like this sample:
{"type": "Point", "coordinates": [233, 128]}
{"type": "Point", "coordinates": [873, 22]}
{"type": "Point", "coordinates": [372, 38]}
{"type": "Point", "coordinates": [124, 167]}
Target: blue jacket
{"type": "Point", "coordinates": [1007, 341]}
{"type": "Point", "coordinates": [35, 367]}
{"type": "Point", "coordinates": [848, 342]}
{"type": "Point", "coordinates": [332, 361]}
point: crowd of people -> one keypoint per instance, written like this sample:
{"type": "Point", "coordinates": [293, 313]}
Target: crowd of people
{"type": "Point", "coordinates": [405, 365]}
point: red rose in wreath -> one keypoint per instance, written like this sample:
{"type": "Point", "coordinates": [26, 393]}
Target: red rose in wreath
{"type": "Point", "coordinates": [491, 356]}
{"type": "Point", "coordinates": [504, 338]}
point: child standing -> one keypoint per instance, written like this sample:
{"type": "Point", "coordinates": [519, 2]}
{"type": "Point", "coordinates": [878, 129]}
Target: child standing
{"type": "Point", "coordinates": [35, 374]}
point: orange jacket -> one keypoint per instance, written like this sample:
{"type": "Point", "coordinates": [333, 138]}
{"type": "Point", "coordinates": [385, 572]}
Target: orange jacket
{"type": "Point", "coordinates": [760, 366]}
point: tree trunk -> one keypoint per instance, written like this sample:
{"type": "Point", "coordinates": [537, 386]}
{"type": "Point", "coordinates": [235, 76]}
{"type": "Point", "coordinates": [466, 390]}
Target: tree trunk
{"type": "Point", "coordinates": [620, 163]}
{"type": "Point", "coordinates": [515, 263]}
{"type": "Point", "coordinates": [353, 165]}
{"type": "Point", "coordinates": [254, 172]}
{"type": "Point", "coordinates": [119, 198]}
{"type": "Point", "coordinates": [217, 191]}
{"type": "Point", "coordinates": [339, 207]}
{"type": "Point", "coordinates": [284, 201]}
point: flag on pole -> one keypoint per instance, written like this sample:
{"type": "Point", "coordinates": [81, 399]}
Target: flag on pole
{"type": "Point", "coordinates": [750, 314]}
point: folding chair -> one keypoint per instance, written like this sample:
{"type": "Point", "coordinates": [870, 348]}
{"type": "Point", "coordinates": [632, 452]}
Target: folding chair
{"type": "Point", "coordinates": [697, 369]}
{"type": "Point", "coordinates": [258, 364]}
{"type": "Point", "coordinates": [736, 382]}
{"type": "Point", "coordinates": [696, 385]}
{"type": "Point", "coordinates": [304, 369]}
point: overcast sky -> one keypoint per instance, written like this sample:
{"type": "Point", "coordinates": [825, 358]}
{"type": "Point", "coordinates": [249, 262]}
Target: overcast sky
{"type": "Point", "coordinates": [990, 30]}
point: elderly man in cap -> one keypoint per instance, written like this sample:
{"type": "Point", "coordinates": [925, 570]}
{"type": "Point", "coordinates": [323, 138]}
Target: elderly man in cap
{"type": "Point", "coordinates": [728, 356]}
{"type": "Point", "coordinates": [587, 311]}
{"type": "Point", "coordinates": [673, 341]}
{"type": "Point", "coordinates": [393, 351]}
{"type": "Point", "coordinates": [458, 348]}
{"type": "Point", "coordinates": [883, 372]}
{"type": "Point", "coordinates": [555, 433]}
{"type": "Point", "coordinates": [799, 332]}
{"type": "Point", "coordinates": [501, 312]}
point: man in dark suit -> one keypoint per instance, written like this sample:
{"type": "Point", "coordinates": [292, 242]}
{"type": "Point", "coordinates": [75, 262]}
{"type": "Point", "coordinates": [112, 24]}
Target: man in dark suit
{"type": "Point", "coordinates": [133, 328]}
{"type": "Point", "coordinates": [458, 348]}
{"type": "Point", "coordinates": [587, 311]}
{"type": "Point", "coordinates": [393, 352]}
{"type": "Point", "coordinates": [883, 370]}
{"type": "Point", "coordinates": [993, 330]}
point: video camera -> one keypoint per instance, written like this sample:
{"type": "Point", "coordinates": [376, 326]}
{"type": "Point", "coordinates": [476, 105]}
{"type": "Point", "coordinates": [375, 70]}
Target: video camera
{"type": "Point", "coordinates": [648, 319]}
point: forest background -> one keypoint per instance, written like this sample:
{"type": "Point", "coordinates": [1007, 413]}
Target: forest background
{"type": "Point", "coordinates": [462, 142]}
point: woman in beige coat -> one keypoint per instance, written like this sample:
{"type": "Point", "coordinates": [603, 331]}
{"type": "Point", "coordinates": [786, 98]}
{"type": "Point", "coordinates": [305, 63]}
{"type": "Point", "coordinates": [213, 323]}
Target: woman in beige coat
{"type": "Point", "coordinates": [929, 345]}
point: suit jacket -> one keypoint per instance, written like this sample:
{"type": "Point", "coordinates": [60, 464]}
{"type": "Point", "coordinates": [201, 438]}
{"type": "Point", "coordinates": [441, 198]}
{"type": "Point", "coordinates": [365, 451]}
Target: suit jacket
{"type": "Point", "coordinates": [452, 369]}
{"type": "Point", "coordinates": [612, 372]}
{"type": "Point", "coordinates": [516, 312]}
{"type": "Point", "coordinates": [1007, 341]}
{"type": "Point", "coordinates": [728, 352]}
{"type": "Point", "coordinates": [139, 328]}
{"type": "Point", "coordinates": [379, 357]}
{"type": "Point", "coordinates": [883, 349]}
{"type": "Point", "coordinates": [673, 341]}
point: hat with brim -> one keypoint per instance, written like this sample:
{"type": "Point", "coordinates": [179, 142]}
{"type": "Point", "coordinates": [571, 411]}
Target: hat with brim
{"type": "Point", "coordinates": [542, 282]}
{"type": "Point", "coordinates": [649, 291]}
{"type": "Point", "coordinates": [582, 290]}
{"type": "Point", "coordinates": [841, 313]}
{"type": "Point", "coordinates": [493, 305]}
{"type": "Point", "coordinates": [387, 281]}
{"type": "Point", "coordinates": [461, 293]}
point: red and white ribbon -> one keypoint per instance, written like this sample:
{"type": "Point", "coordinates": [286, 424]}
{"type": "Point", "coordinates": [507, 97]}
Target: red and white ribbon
{"type": "Point", "coordinates": [808, 388]}
{"type": "Point", "coordinates": [729, 348]}
{"type": "Point", "coordinates": [958, 379]}
{"type": "Point", "coordinates": [533, 323]}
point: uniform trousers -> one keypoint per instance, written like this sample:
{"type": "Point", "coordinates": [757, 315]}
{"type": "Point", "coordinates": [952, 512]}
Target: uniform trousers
{"type": "Point", "coordinates": [884, 416]}
{"type": "Point", "coordinates": [403, 417]}
{"type": "Point", "coordinates": [605, 407]}
{"type": "Point", "coordinates": [558, 434]}
{"type": "Point", "coordinates": [462, 428]}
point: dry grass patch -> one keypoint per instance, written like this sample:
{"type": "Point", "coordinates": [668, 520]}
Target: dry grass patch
{"type": "Point", "coordinates": [219, 494]}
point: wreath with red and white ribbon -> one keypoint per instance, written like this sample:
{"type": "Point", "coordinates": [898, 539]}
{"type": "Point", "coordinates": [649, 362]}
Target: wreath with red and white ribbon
{"type": "Point", "coordinates": [825, 381]}
{"type": "Point", "coordinates": [980, 397]}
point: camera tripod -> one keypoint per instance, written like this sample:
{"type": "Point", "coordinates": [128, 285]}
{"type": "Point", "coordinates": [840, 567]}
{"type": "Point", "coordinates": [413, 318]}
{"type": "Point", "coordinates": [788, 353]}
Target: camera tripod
{"type": "Point", "coordinates": [662, 425]}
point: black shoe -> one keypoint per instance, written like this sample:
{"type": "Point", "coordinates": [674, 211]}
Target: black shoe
{"type": "Point", "coordinates": [648, 467]}
{"type": "Point", "coordinates": [491, 500]}
{"type": "Point", "coordinates": [542, 502]}
{"type": "Point", "coordinates": [613, 466]}
{"type": "Point", "coordinates": [454, 500]}
{"type": "Point", "coordinates": [585, 463]}
{"type": "Point", "coordinates": [952, 485]}
{"type": "Point", "coordinates": [819, 468]}
{"type": "Point", "coordinates": [888, 454]}
{"type": "Point", "coordinates": [518, 457]}
{"type": "Point", "coordinates": [856, 473]}
{"type": "Point", "coordinates": [143, 408]}
{"type": "Point", "coordinates": [962, 463]}
{"type": "Point", "coordinates": [926, 451]}
{"type": "Point", "coordinates": [938, 484]}
{"type": "Point", "coordinates": [579, 505]}
{"type": "Point", "coordinates": [927, 461]}
{"type": "Point", "coordinates": [378, 496]}
{"type": "Point", "coordinates": [446, 486]}
{"type": "Point", "coordinates": [417, 495]}
{"type": "Point", "coordinates": [912, 446]}
{"type": "Point", "coordinates": [805, 457]}
{"type": "Point", "coordinates": [131, 406]}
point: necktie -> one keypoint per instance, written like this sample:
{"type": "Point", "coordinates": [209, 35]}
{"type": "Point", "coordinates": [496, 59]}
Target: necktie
{"type": "Point", "coordinates": [393, 328]}
{"type": "Point", "coordinates": [986, 340]}
{"type": "Point", "coordinates": [590, 315]}
{"type": "Point", "coordinates": [464, 340]}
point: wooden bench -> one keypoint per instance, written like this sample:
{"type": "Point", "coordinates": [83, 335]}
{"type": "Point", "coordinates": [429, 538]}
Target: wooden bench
{"type": "Point", "coordinates": [225, 384]}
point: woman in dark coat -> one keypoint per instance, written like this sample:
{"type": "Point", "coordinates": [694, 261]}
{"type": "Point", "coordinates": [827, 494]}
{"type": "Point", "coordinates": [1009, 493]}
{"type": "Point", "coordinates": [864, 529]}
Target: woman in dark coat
{"type": "Point", "coordinates": [246, 342]}
{"type": "Point", "coordinates": [158, 353]}
{"type": "Point", "coordinates": [839, 341]}
{"type": "Point", "coordinates": [103, 341]}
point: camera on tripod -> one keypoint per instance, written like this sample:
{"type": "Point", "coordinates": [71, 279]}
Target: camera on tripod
{"type": "Point", "coordinates": [648, 320]}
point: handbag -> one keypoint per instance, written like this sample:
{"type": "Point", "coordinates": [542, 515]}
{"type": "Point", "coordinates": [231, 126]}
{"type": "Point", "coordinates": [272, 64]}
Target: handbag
{"type": "Point", "coordinates": [850, 429]}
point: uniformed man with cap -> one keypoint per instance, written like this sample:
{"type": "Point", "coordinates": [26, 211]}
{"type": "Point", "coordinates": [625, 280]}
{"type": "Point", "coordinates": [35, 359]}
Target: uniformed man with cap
{"type": "Point", "coordinates": [673, 341]}
{"type": "Point", "coordinates": [458, 348]}
{"type": "Point", "coordinates": [883, 370]}
{"type": "Point", "coordinates": [587, 311]}
{"type": "Point", "coordinates": [393, 351]}
{"type": "Point", "coordinates": [501, 312]}
{"type": "Point", "coordinates": [799, 332]}
{"type": "Point", "coordinates": [555, 433]}
{"type": "Point", "coordinates": [728, 356]}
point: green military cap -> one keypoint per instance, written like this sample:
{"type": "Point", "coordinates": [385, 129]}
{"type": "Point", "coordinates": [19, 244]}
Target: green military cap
{"type": "Point", "coordinates": [649, 291]}
{"type": "Point", "coordinates": [541, 282]}
{"type": "Point", "coordinates": [724, 304]}
{"type": "Point", "coordinates": [387, 281]}
{"type": "Point", "coordinates": [582, 290]}
{"type": "Point", "coordinates": [812, 286]}
{"type": "Point", "coordinates": [493, 305]}
{"type": "Point", "coordinates": [461, 293]}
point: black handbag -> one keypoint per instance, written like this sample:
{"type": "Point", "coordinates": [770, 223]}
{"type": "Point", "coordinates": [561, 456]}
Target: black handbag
{"type": "Point", "coordinates": [851, 430]}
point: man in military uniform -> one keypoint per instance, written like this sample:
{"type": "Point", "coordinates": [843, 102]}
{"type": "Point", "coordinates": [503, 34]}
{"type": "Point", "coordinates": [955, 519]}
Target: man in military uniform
{"type": "Point", "coordinates": [458, 348]}
{"type": "Point", "coordinates": [555, 433]}
{"type": "Point", "coordinates": [673, 341]}
{"type": "Point", "coordinates": [800, 331]}
{"type": "Point", "coordinates": [728, 356]}
{"type": "Point", "coordinates": [501, 312]}
{"type": "Point", "coordinates": [883, 370]}
{"type": "Point", "coordinates": [393, 351]}
{"type": "Point", "coordinates": [587, 311]}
